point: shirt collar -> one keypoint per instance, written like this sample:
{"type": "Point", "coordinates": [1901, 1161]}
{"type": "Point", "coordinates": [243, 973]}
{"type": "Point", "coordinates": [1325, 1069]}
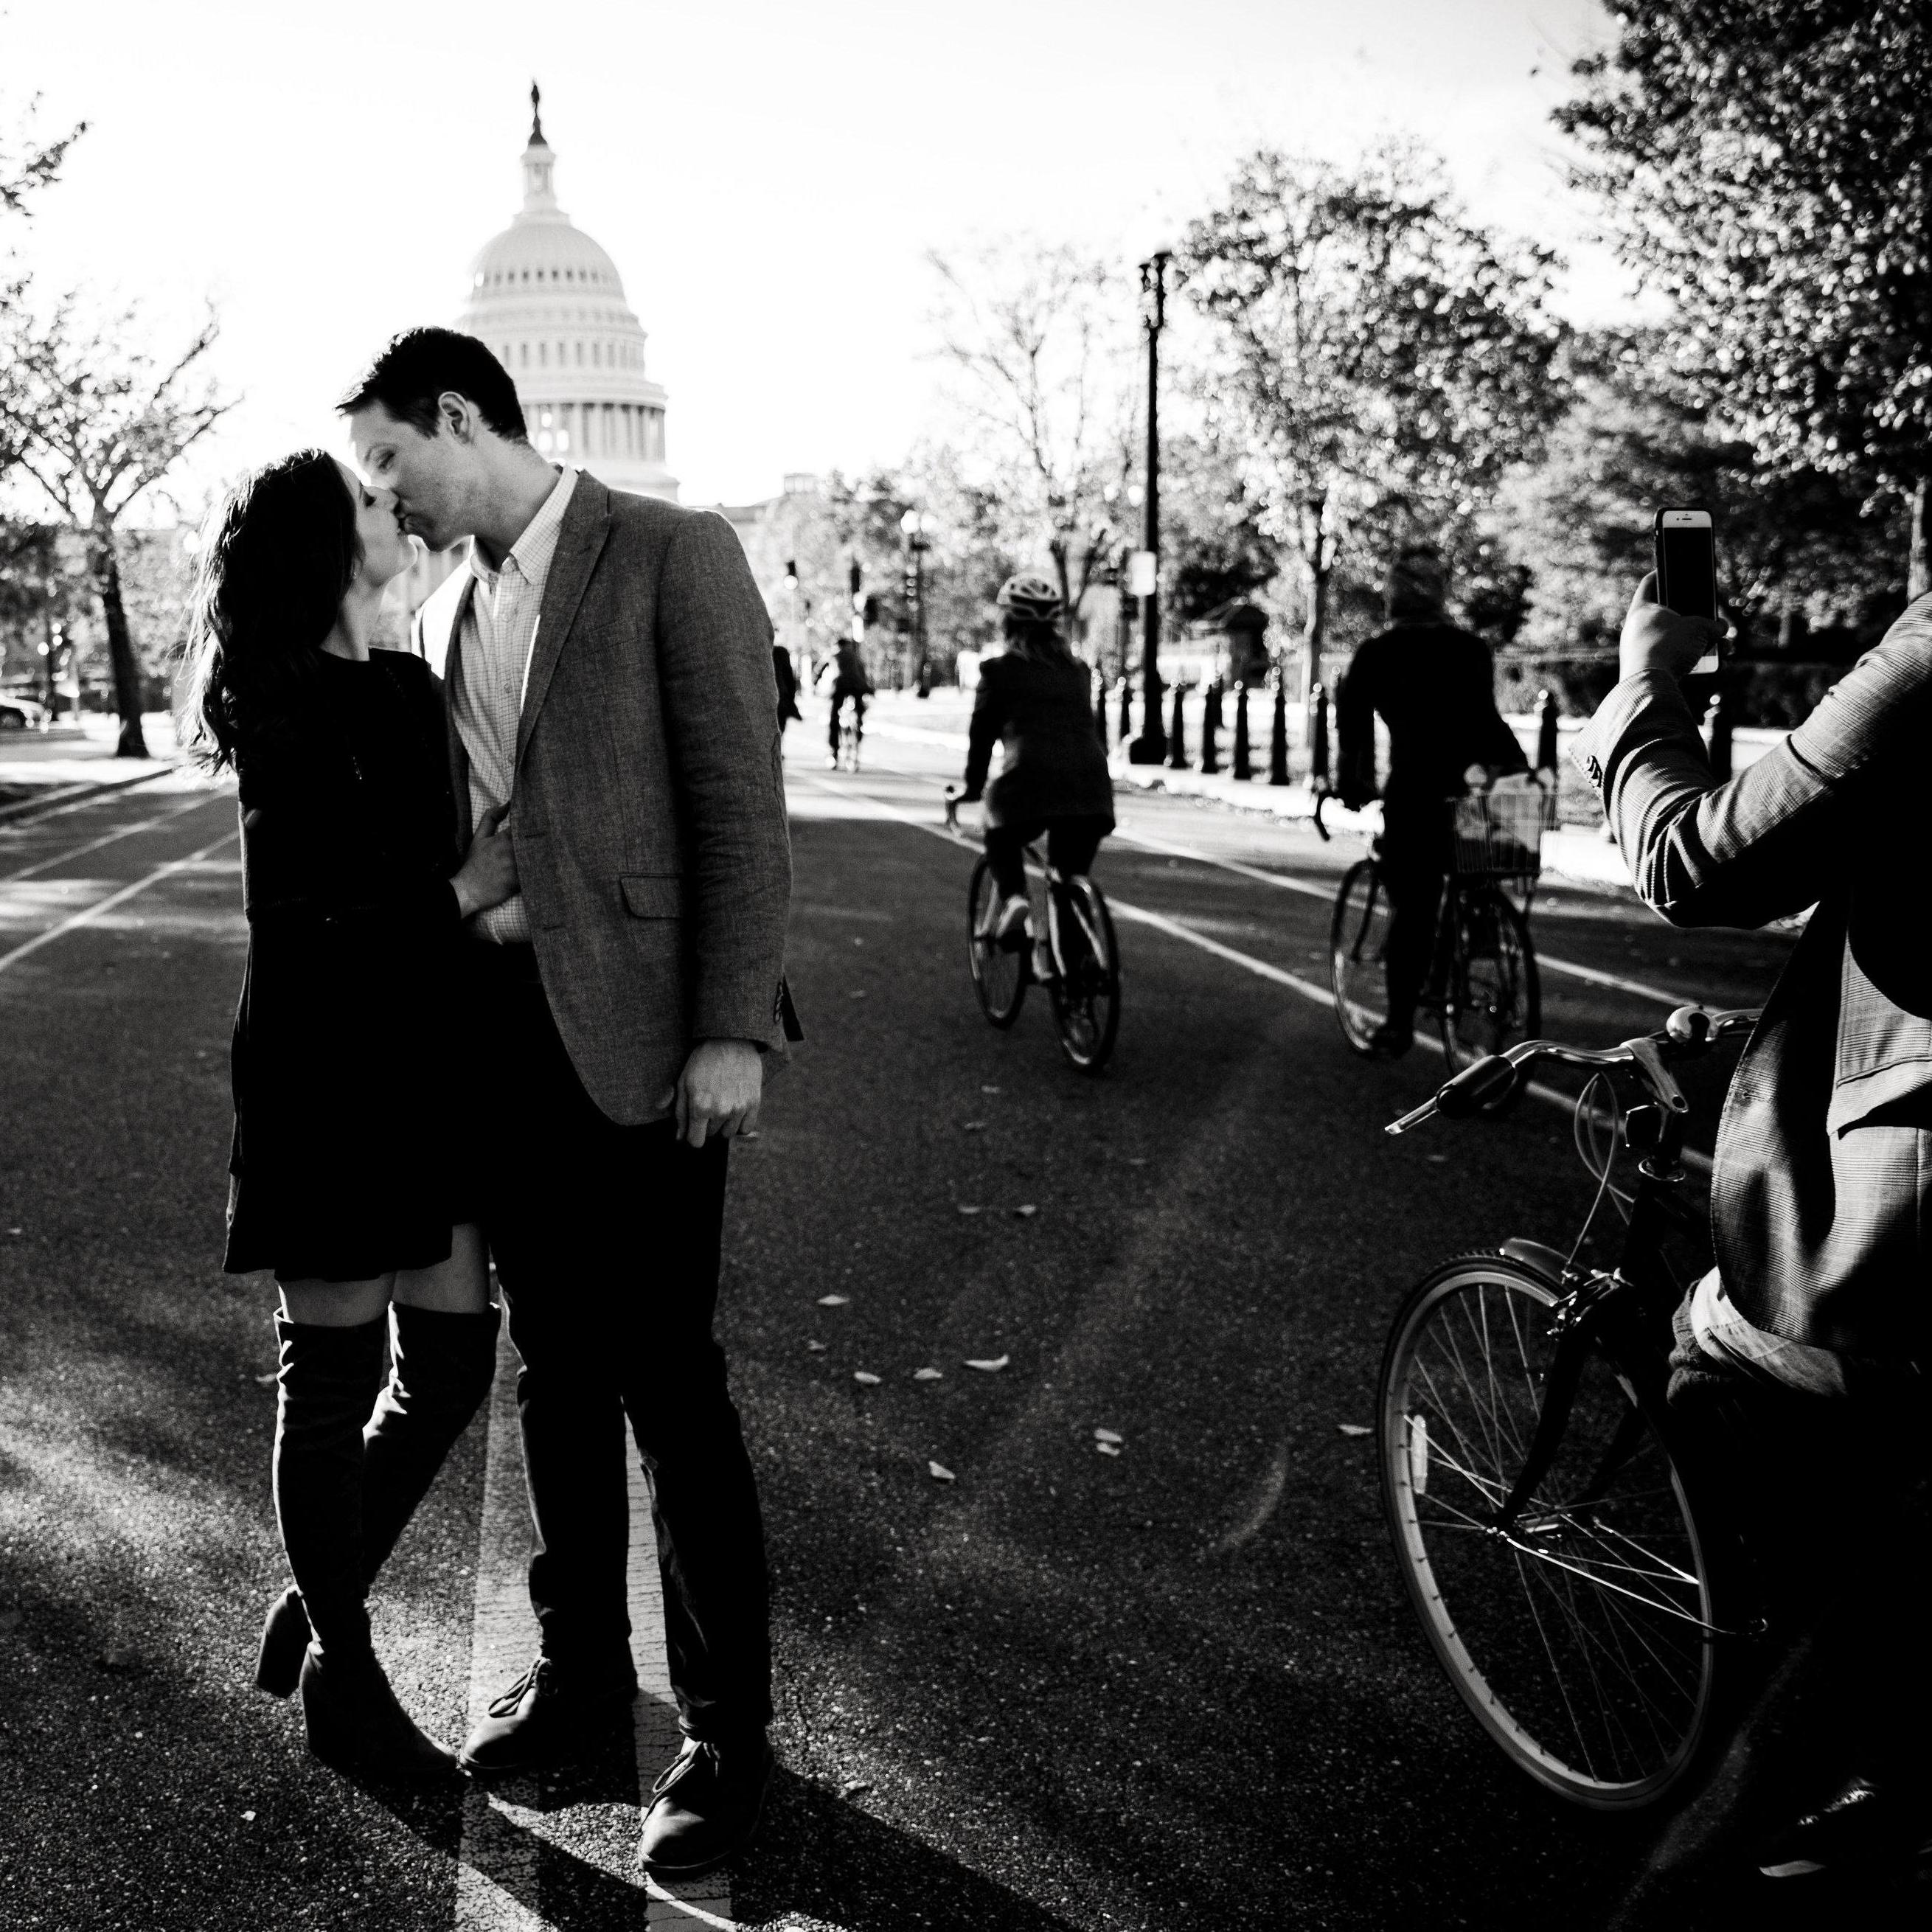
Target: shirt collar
{"type": "Point", "coordinates": [531, 551]}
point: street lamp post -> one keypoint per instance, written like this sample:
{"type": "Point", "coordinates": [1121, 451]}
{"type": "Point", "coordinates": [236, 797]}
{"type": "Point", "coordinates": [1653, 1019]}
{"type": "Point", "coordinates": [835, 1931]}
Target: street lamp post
{"type": "Point", "coordinates": [915, 526]}
{"type": "Point", "coordinates": [1150, 747]}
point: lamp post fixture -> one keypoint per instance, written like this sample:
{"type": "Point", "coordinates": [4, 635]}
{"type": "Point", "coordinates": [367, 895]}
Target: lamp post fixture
{"type": "Point", "coordinates": [1150, 747]}
{"type": "Point", "coordinates": [916, 526]}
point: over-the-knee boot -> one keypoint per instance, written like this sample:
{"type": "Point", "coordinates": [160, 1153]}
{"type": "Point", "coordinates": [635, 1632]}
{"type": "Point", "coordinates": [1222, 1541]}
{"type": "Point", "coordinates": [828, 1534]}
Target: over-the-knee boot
{"type": "Point", "coordinates": [444, 1365]}
{"type": "Point", "coordinates": [349, 1713]}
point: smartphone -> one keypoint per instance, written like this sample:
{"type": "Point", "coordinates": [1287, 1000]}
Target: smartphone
{"type": "Point", "coordinates": [1687, 569]}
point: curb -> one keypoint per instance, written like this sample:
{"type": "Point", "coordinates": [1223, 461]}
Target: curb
{"type": "Point", "coordinates": [74, 794]}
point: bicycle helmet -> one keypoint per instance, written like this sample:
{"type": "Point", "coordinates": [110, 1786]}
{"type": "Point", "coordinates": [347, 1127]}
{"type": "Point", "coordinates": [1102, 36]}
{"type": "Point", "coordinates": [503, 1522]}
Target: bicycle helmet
{"type": "Point", "coordinates": [1031, 596]}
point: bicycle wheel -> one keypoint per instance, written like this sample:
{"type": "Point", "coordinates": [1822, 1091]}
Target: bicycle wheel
{"type": "Point", "coordinates": [1494, 998]}
{"type": "Point", "coordinates": [1357, 938]}
{"type": "Point", "coordinates": [1086, 991]}
{"type": "Point", "coordinates": [999, 972]}
{"type": "Point", "coordinates": [1583, 1637]}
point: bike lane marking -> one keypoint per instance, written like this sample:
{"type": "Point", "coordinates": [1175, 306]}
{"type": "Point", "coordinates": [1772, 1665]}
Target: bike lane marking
{"type": "Point", "coordinates": [1320, 996]}
{"type": "Point", "coordinates": [87, 914]}
{"type": "Point", "coordinates": [106, 838]}
{"type": "Point", "coordinates": [506, 1842]}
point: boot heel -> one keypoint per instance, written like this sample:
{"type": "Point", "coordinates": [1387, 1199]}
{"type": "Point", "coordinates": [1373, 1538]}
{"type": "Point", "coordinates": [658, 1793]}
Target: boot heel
{"type": "Point", "coordinates": [285, 1635]}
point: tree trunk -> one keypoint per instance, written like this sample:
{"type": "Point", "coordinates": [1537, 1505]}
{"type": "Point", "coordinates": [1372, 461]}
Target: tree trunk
{"type": "Point", "coordinates": [1316, 629]}
{"type": "Point", "coordinates": [1919, 566]}
{"type": "Point", "coordinates": [106, 563]}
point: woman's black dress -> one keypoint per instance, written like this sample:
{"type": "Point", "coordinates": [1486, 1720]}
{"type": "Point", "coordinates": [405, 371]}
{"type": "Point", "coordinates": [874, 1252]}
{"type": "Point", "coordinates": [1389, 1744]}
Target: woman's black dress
{"type": "Point", "coordinates": [343, 1161]}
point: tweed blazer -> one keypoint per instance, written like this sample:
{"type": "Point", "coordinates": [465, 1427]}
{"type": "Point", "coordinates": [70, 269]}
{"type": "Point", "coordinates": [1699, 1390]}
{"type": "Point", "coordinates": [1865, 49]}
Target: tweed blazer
{"type": "Point", "coordinates": [1821, 1202]}
{"type": "Point", "coordinates": [648, 806]}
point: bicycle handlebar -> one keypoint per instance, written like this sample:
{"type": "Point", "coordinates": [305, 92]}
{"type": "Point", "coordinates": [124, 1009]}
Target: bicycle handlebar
{"type": "Point", "coordinates": [1684, 1036]}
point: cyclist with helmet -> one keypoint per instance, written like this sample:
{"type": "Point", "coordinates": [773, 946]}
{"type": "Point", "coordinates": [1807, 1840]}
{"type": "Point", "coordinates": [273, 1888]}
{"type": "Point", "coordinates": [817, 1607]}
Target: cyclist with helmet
{"type": "Point", "coordinates": [1033, 699]}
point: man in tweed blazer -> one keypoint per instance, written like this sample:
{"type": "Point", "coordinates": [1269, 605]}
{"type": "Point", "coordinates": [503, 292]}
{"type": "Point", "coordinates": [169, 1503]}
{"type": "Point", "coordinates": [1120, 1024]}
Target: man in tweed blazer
{"type": "Point", "coordinates": [607, 663]}
{"type": "Point", "coordinates": [1806, 1343]}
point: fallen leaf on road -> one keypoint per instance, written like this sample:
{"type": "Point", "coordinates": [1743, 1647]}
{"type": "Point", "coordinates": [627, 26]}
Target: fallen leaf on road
{"type": "Point", "coordinates": [1108, 1448]}
{"type": "Point", "coordinates": [965, 1210]}
{"type": "Point", "coordinates": [12, 1231]}
{"type": "Point", "coordinates": [834, 1300]}
{"type": "Point", "coordinates": [927, 1375]}
{"type": "Point", "coordinates": [939, 1473]}
{"type": "Point", "coordinates": [1353, 1428]}
{"type": "Point", "coordinates": [751, 1136]}
{"type": "Point", "coordinates": [972, 1126]}
{"type": "Point", "coordinates": [853, 1789]}
{"type": "Point", "coordinates": [988, 1090]}
{"type": "Point", "coordinates": [247, 1817]}
{"type": "Point", "coordinates": [1137, 1160]}
{"type": "Point", "coordinates": [1437, 1160]}
{"type": "Point", "coordinates": [858, 993]}
{"type": "Point", "coordinates": [1027, 1212]}
{"type": "Point", "coordinates": [990, 1365]}
{"type": "Point", "coordinates": [815, 1348]}
{"type": "Point", "coordinates": [866, 1376]}
{"type": "Point", "coordinates": [268, 1381]}
{"type": "Point", "coordinates": [1108, 1436]}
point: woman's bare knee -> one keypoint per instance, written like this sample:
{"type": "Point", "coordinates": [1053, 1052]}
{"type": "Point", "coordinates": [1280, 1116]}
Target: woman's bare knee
{"type": "Point", "coordinates": [458, 1286]}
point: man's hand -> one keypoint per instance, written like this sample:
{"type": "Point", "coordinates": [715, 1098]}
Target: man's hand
{"type": "Point", "coordinates": [1656, 639]}
{"type": "Point", "coordinates": [719, 1090]}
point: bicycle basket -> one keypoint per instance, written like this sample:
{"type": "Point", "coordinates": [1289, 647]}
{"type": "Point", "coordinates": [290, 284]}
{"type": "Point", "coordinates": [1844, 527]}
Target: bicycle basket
{"type": "Point", "coordinates": [1498, 835]}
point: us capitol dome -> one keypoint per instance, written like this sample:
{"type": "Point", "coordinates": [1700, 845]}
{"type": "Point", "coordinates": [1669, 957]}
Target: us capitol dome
{"type": "Point", "coordinates": [550, 304]}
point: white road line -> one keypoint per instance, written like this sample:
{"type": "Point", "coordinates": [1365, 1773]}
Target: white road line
{"type": "Point", "coordinates": [1260, 968]}
{"type": "Point", "coordinates": [88, 914]}
{"type": "Point", "coordinates": [504, 1840]}
{"type": "Point", "coordinates": [106, 838]}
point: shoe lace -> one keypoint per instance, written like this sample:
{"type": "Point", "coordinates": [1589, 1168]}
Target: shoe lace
{"type": "Point", "coordinates": [696, 1750]}
{"type": "Point", "coordinates": [501, 1707]}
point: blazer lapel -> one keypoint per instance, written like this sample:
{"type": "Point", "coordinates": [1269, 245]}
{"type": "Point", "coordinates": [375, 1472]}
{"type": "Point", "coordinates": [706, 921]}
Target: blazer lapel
{"type": "Point", "coordinates": [587, 524]}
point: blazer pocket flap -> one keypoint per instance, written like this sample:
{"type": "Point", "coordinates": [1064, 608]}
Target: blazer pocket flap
{"type": "Point", "coordinates": [653, 895]}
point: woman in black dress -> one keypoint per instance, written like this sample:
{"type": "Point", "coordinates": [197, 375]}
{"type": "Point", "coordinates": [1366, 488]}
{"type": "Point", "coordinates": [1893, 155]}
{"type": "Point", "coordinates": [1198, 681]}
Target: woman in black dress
{"type": "Point", "coordinates": [345, 1173]}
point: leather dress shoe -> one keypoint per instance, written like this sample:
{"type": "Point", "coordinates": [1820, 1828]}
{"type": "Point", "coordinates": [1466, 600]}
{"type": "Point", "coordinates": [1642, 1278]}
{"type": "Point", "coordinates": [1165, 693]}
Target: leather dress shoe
{"type": "Point", "coordinates": [1865, 1824]}
{"type": "Point", "coordinates": [550, 1716]}
{"type": "Point", "coordinates": [705, 1806]}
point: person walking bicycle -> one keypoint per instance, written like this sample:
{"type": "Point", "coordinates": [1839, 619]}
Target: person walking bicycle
{"type": "Point", "coordinates": [1433, 685]}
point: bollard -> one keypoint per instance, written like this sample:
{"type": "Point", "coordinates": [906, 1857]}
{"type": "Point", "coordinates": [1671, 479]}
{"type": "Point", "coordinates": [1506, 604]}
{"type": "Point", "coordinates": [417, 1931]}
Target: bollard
{"type": "Point", "coordinates": [1244, 767]}
{"type": "Point", "coordinates": [1717, 724]}
{"type": "Point", "coordinates": [1211, 723]}
{"type": "Point", "coordinates": [1278, 734]}
{"type": "Point", "coordinates": [1546, 735]}
{"type": "Point", "coordinates": [1177, 745]}
{"type": "Point", "coordinates": [1126, 711]}
{"type": "Point", "coordinates": [1318, 756]}
{"type": "Point", "coordinates": [1100, 714]}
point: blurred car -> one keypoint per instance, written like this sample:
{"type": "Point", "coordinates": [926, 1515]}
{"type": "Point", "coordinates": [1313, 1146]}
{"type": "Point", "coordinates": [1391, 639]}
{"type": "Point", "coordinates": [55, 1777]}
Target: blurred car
{"type": "Point", "coordinates": [21, 714]}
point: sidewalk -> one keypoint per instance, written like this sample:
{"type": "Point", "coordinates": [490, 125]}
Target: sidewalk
{"type": "Point", "coordinates": [38, 770]}
{"type": "Point", "coordinates": [1578, 852]}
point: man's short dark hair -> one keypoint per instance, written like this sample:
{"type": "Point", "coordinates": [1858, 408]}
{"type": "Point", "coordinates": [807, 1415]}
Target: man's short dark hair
{"type": "Point", "coordinates": [420, 365]}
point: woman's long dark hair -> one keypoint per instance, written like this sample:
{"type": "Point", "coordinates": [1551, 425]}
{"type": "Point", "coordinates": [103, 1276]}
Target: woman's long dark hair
{"type": "Point", "coordinates": [281, 553]}
{"type": "Point", "coordinates": [1031, 638]}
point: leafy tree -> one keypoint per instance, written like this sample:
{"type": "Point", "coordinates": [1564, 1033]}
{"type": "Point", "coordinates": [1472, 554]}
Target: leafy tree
{"type": "Point", "coordinates": [99, 422]}
{"type": "Point", "coordinates": [1042, 339]}
{"type": "Point", "coordinates": [26, 167]}
{"type": "Point", "coordinates": [1764, 163]}
{"type": "Point", "coordinates": [1380, 361]}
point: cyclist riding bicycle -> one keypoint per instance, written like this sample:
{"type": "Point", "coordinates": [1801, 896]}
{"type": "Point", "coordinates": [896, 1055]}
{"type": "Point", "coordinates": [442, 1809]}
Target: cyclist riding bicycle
{"type": "Point", "coordinates": [1434, 686]}
{"type": "Point", "coordinates": [1034, 699]}
{"type": "Point", "coordinates": [848, 681]}
{"type": "Point", "coordinates": [1801, 1356]}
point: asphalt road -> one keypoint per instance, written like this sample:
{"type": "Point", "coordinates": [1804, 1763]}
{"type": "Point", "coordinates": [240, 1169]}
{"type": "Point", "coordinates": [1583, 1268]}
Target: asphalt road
{"type": "Point", "coordinates": [1175, 1687]}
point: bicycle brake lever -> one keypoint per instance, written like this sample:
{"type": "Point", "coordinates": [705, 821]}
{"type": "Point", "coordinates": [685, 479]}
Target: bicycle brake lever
{"type": "Point", "coordinates": [1662, 1082]}
{"type": "Point", "coordinates": [1427, 1110]}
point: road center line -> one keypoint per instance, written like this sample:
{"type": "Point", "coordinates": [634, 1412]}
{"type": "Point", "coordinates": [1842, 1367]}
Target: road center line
{"type": "Point", "coordinates": [1260, 968]}
{"type": "Point", "coordinates": [107, 838]}
{"type": "Point", "coordinates": [88, 914]}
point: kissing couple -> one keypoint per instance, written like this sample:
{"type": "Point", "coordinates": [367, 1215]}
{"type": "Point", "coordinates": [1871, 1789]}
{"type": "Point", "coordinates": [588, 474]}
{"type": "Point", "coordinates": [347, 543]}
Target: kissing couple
{"type": "Point", "coordinates": [516, 904]}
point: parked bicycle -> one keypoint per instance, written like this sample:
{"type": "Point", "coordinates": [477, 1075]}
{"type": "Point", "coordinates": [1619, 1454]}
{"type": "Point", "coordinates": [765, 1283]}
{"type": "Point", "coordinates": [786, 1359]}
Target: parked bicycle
{"type": "Point", "coordinates": [1482, 985]}
{"type": "Point", "coordinates": [1580, 1583]}
{"type": "Point", "coordinates": [1078, 960]}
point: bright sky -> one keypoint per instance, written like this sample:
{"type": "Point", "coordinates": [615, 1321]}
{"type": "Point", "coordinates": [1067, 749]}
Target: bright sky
{"type": "Point", "coordinates": [767, 174]}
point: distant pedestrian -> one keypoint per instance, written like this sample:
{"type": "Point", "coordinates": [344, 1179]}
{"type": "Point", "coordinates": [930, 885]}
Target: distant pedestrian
{"type": "Point", "coordinates": [849, 684]}
{"type": "Point", "coordinates": [348, 1176]}
{"type": "Point", "coordinates": [786, 678]}
{"type": "Point", "coordinates": [1033, 700]}
{"type": "Point", "coordinates": [1433, 685]}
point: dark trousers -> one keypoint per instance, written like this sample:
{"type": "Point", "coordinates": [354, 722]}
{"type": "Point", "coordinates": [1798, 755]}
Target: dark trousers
{"type": "Point", "coordinates": [606, 1240]}
{"type": "Point", "coordinates": [839, 700]}
{"type": "Point", "coordinates": [1413, 873]}
{"type": "Point", "coordinates": [1071, 843]}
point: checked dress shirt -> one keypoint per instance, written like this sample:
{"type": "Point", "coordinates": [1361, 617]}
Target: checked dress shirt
{"type": "Point", "coordinates": [492, 663]}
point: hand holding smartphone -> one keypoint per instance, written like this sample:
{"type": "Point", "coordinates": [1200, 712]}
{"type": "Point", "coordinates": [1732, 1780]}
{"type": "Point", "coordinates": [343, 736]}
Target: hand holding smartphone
{"type": "Point", "coordinates": [1686, 570]}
